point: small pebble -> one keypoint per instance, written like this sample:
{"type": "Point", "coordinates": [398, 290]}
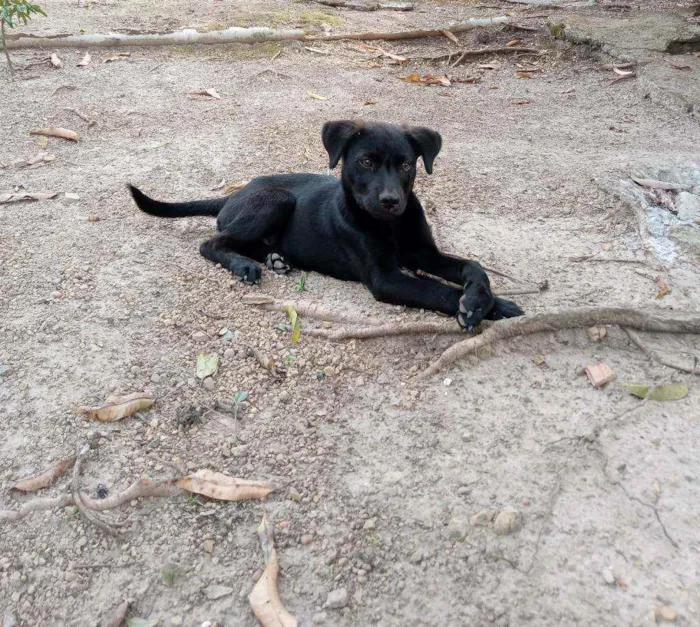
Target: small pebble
{"type": "Point", "coordinates": [447, 382]}
{"type": "Point", "coordinates": [155, 378]}
{"type": "Point", "coordinates": [294, 495]}
{"type": "Point", "coordinates": [200, 336]}
{"type": "Point", "coordinates": [337, 599]}
{"type": "Point", "coordinates": [320, 618]}
{"type": "Point", "coordinates": [306, 539]}
{"type": "Point", "coordinates": [508, 521]}
{"type": "Point", "coordinates": [608, 577]}
{"type": "Point", "coordinates": [666, 612]}
{"type": "Point", "coordinates": [370, 524]}
{"type": "Point", "coordinates": [209, 384]}
{"type": "Point", "coordinates": [175, 621]}
{"type": "Point", "coordinates": [208, 546]}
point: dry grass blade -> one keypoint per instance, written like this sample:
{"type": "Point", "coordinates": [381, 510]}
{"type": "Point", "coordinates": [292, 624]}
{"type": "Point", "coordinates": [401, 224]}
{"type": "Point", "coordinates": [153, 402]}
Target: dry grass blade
{"type": "Point", "coordinates": [450, 36]}
{"type": "Point", "coordinates": [218, 486]}
{"type": "Point", "coordinates": [118, 407]}
{"type": "Point", "coordinates": [210, 93]}
{"type": "Point", "coordinates": [264, 598]}
{"type": "Point", "coordinates": [56, 131]}
{"type": "Point", "coordinates": [44, 479]}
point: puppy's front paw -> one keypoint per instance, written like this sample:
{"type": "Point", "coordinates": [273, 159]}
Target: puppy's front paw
{"type": "Point", "coordinates": [247, 271]}
{"type": "Point", "coordinates": [276, 263]}
{"type": "Point", "coordinates": [474, 305]}
{"type": "Point", "coordinates": [503, 308]}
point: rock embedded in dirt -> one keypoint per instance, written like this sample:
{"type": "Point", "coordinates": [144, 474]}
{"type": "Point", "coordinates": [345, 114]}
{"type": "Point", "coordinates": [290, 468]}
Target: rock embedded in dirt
{"type": "Point", "coordinates": [507, 522]}
{"type": "Point", "coordinates": [608, 577]}
{"type": "Point", "coordinates": [214, 592]}
{"type": "Point", "coordinates": [209, 384]}
{"type": "Point", "coordinates": [483, 518]}
{"type": "Point", "coordinates": [320, 618]}
{"type": "Point", "coordinates": [155, 378]}
{"type": "Point", "coordinates": [337, 599]}
{"type": "Point", "coordinates": [208, 546]}
{"type": "Point", "coordinates": [200, 336]}
{"type": "Point", "coordinates": [665, 613]}
{"type": "Point", "coordinates": [370, 524]}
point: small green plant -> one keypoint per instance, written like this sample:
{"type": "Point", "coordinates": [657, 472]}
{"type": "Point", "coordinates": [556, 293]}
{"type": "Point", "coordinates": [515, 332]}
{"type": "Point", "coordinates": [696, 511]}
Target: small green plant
{"type": "Point", "coordinates": [192, 499]}
{"type": "Point", "coordinates": [301, 286]}
{"type": "Point", "coordinates": [238, 398]}
{"type": "Point", "coordinates": [170, 574]}
{"type": "Point", "coordinates": [13, 12]}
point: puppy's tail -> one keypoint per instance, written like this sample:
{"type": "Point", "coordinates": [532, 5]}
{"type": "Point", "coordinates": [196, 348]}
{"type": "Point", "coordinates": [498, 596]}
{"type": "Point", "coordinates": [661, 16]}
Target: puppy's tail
{"type": "Point", "coordinates": [176, 209]}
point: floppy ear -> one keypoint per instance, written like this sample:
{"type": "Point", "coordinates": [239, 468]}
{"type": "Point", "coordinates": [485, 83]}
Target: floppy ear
{"type": "Point", "coordinates": [427, 142]}
{"type": "Point", "coordinates": [336, 136]}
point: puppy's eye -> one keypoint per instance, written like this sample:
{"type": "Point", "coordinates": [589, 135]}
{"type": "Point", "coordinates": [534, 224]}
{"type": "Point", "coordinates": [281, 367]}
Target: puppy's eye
{"type": "Point", "coordinates": [366, 163]}
{"type": "Point", "coordinates": [406, 166]}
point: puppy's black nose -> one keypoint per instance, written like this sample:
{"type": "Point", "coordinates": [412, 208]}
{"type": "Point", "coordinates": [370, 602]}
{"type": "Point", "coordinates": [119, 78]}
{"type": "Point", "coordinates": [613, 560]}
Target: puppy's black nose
{"type": "Point", "coordinates": [389, 200]}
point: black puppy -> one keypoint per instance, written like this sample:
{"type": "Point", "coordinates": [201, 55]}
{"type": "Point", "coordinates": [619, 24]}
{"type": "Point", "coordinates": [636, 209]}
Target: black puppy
{"type": "Point", "coordinates": [368, 226]}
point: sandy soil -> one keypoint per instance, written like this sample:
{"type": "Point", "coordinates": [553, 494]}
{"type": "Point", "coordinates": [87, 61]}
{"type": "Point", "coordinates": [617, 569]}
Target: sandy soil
{"type": "Point", "coordinates": [388, 488]}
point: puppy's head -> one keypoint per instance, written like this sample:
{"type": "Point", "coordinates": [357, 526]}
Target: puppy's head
{"type": "Point", "coordinates": [379, 161]}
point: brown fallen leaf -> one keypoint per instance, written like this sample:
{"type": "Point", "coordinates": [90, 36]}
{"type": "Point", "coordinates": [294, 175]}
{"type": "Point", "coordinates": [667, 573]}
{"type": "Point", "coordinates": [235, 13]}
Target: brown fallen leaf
{"type": "Point", "coordinates": [85, 60]}
{"type": "Point", "coordinates": [40, 157]}
{"type": "Point", "coordinates": [427, 79]}
{"type": "Point", "coordinates": [56, 131]}
{"type": "Point", "coordinates": [367, 103]}
{"type": "Point", "coordinates": [218, 486]}
{"type": "Point", "coordinates": [235, 187]}
{"type": "Point", "coordinates": [513, 42]}
{"type": "Point", "coordinates": [451, 36]}
{"type": "Point", "coordinates": [264, 598]}
{"type": "Point", "coordinates": [467, 79]}
{"type": "Point", "coordinates": [56, 61]}
{"type": "Point", "coordinates": [18, 196]}
{"type": "Point", "coordinates": [447, 94]}
{"type": "Point", "coordinates": [44, 479]}
{"type": "Point", "coordinates": [93, 218]}
{"type": "Point", "coordinates": [117, 408]}
{"type": "Point", "coordinates": [523, 74]}
{"type": "Point", "coordinates": [211, 93]}
{"type": "Point", "coordinates": [664, 289]}
{"type": "Point", "coordinates": [522, 101]}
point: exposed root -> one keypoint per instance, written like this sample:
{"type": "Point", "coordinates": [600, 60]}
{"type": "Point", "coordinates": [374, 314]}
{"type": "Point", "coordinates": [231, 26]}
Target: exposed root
{"type": "Point", "coordinates": [463, 55]}
{"type": "Point", "coordinates": [144, 487]}
{"type": "Point", "coordinates": [386, 330]}
{"type": "Point", "coordinates": [653, 356]}
{"type": "Point", "coordinates": [660, 321]}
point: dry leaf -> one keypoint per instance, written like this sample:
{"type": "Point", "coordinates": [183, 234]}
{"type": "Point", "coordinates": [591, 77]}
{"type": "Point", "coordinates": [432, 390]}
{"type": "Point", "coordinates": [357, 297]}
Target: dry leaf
{"type": "Point", "coordinates": [451, 36]}
{"type": "Point", "coordinates": [596, 334]}
{"type": "Point", "coordinates": [56, 131]}
{"type": "Point", "coordinates": [369, 102]}
{"type": "Point", "coordinates": [85, 60]}
{"type": "Point", "coordinates": [264, 598]}
{"type": "Point", "coordinates": [654, 184]}
{"type": "Point", "coordinates": [211, 93]}
{"type": "Point", "coordinates": [235, 187]}
{"type": "Point", "coordinates": [672, 392]}
{"type": "Point", "coordinates": [56, 61]}
{"type": "Point", "coordinates": [316, 96]}
{"type": "Point", "coordinates": [16, 197]}
{"type": "Point", "coordinates": [218, 486]}
{"type": "Point", "coordinates": [296, 331]}
{"type": "Point", "coordinates": [447, 94]}
{"type": "Point", "coordinates": [118, 407]}
{"type": "Point", "coordinates": [620, 72]}
{"type": "Point", "coordinates": [43, 142]}
{"type": "Point", "coordinates": [664, 289]}
{"type": "Point", "coordinates": [513, 42]}
{"type": "Point", "coordinates": [522, 101]}
{"type": "Point", "coordinates": [523, 74]}
{"type": "Point", "coordinates": [677, 66]}
{"type": "Point", "coordinates": [606, 246]}
{"type": "Point", "coordinates": [538, 360]}
{"type": "Point", "coordinates": [44, 479]}
{"type": "Point", "coordinates": [207, 365]}
{"type": "Point", "coordinates": [93, 219]}
{"type": "Point", "coordinates": [428, 79]}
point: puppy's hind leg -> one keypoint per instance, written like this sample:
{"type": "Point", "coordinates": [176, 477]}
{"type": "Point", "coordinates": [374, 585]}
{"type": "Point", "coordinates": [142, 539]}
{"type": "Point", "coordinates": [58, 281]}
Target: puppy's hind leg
{"type": "Point", "coordinates": [220, 249]}
{"type": "Point", "coordinates": [275, 262]}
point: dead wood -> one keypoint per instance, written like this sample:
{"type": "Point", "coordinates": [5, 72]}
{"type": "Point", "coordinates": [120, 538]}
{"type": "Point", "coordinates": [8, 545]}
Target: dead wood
{"type": "Point", "coordinates": [659, 321]}
{"type": "Point", "coordinates": [144, 487]}
{"type": "Point", "coordinates": [366, 6]}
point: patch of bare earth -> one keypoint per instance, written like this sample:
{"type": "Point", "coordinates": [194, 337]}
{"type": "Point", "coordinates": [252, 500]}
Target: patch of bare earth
{"type": "Point", "coordinates": [391, 493]}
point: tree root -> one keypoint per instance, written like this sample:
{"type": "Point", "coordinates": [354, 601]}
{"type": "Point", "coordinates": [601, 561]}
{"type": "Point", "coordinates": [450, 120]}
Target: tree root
{"type": "Point", "coordinates": [653, 356]}
{"type": "Point", "coordinates": [463, 55]}
{"type": "Point", "coordinates": [659, 321]}
{"type": "Point", "coordinates": [144, 487]}
{"type": "Point", "coordinates": [386, 330]}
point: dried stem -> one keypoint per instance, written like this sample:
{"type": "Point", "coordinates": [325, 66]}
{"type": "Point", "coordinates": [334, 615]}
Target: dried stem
{"type": "Point", "coordinates": [653, 356]}
{"type": "Point", "coordinates": [4, 47]}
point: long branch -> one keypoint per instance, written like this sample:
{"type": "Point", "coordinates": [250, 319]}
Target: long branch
{"type": "Point", "coordinates": [659, 321]}
{"type": "Point", "coordinates": [230, 35]}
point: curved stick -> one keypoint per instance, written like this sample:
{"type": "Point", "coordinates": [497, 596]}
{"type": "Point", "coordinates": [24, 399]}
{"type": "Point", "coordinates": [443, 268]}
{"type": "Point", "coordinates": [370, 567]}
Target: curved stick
{"type": "Point", "coordinates": [659, 321]}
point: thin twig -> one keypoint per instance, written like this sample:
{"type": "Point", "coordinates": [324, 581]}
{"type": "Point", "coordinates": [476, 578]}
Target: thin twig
{"type": "Point", "coordinates": [660, 321]}
{"type": "Point", "coordinates": [82, 116]}
{"type": "Point", "coordinates": [465, 54]}
{"type": "Point", "coordinates": [653, 356]}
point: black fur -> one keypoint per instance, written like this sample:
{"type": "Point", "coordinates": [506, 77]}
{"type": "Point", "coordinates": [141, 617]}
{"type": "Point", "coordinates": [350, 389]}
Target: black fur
{"type": "Point", "coordinates": [368, 226]}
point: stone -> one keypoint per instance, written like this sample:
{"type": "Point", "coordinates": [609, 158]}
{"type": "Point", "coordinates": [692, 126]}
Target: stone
{"type": "Point", "coordinates": [608, 577]}
{"type": "Point", "coordinates": [370, 524]}
{"type": "Point", "coordinates": [155, 378]}
{"type": "Point", "coordinates": [600, 374]}
{"type": "Point", "coordinates": [457, 529]}
{"type": "Point", "coordinates": [319, 618]}
{"type": "Point", "coordinates": [306, 539]}
{"type": "Point", "coordinates": [666, 613]}
{"type": "Point", "coordinates": [416, 556]}
{"type": "Point", "coordinates": [175, 621]}
{"type": "Point", "coordinates": [240, 451]}
{"type": "Point", "coordinates": [209, 384]}
{"type": "Point", "coordinates": [214, 592]}
{"type": "Point", "coordinates": [688, 206]}
{"type": "Point", "coordinates": [294, 495]}
{"type": "Point", "coordinates": [71, 197]}
{"type": "Point", "coordinates": [483, 518]}
{"type": "Point", "coordinates": [208, 546]}
{"type": "Point", "coordinates": [337, 599]}
{"type": "Point", "coordinates": [508, 521]}
{"type": "Point", "coordinates": [200, 336]}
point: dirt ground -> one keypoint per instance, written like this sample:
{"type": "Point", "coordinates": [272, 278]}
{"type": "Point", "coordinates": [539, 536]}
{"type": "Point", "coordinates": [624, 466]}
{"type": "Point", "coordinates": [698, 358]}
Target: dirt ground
{"type": "Point", "coordinates": [387, 487]}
